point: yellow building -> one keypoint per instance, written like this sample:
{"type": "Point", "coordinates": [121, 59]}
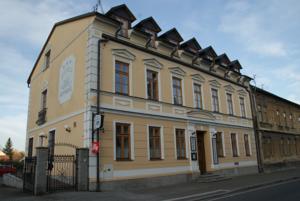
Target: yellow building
{"type": "Point", "coordinates": [169, 107]}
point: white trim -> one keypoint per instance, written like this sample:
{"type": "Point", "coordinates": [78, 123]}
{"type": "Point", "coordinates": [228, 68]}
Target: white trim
{"type": "Point", "coordinates": [237, 144]}
{"type": "Point", "coordinates": [59, 119]}
{"type": "Point", "coordinates": [147, 67]}
{"type": "Point", "coordinates": [132, 153]}
{"type": "Point", "coordinates": [150, 171]}
{"type": "Point", "coordinates": [232, 165]}
{"type": "Point", "coordinates": [162, 145]}
{"type": "Point", "coordinates": [142, 112]}
{"type": "Point", "coordinates": [223, 143]}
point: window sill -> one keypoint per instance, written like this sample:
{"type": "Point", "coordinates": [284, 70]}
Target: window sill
{"type": "Point", "coordinates": [124, 160]}
{"type": "Point", "coordinates": [156, 159]}
{"type": "Point", "coordinates": [181, 159]}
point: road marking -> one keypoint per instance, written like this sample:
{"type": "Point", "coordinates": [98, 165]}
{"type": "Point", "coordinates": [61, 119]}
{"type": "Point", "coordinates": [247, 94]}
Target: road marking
{"type": "Point", "coordinates": [198, 195]}
{"type": "Point", "coordinates": [252, 190]}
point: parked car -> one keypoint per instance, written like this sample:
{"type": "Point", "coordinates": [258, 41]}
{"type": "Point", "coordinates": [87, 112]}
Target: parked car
{"type": "Point", "coordinates": [4, 169]}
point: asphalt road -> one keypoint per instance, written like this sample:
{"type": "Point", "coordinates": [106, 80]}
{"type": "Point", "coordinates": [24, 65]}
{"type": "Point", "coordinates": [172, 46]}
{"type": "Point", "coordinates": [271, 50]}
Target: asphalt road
{"type": "Point", "coordinates": [289, 191]}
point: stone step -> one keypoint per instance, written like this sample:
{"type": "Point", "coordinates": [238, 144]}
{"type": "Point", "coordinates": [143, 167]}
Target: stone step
{"type": "Point", "coordinates": [207, 178]}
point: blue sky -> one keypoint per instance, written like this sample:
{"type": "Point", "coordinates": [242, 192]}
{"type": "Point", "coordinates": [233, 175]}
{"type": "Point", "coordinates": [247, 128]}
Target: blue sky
{"type": "Point", "coordinates": [262, 34]}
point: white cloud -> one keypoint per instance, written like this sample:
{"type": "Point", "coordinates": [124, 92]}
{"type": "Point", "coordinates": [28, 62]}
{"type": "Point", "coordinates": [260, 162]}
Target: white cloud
{"type": "Point", "coordinates": [249, 28]}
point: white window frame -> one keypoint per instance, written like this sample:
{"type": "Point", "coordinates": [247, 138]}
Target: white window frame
{"type": "Point", "coordinates": [223, 143]}
{"type": "Point", "coordinates": [244, 106]}
{"type": "Point", "coordinates": [186, 142]}
{"type": "Point", "coordinates": [249, 141]}
{"type": "Point", "coordinates": [182, 88]}
{"type": "Point", "coordinates": [147, 67]}
{"type": "Point", "coordinates": [232, 102]}
{"type": "Point", "coordinates": [129, 62]}
{"type": "Point", "coordinates": [132, 153]}
{"type": "Point", "coordinates": [237, 143]}
{"type": "Point", "coordinates": [162, 145]}
{"type": "Point", "coordinates": [202, 94]}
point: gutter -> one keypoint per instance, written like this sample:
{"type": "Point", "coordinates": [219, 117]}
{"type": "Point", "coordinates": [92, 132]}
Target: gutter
{"type": "Point", "coordinates": [256, 132]}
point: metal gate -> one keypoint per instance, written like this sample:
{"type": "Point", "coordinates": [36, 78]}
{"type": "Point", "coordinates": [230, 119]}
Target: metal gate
{"type": "Point", "coordinates": [62, 173]}
{"type": "Point", "coordinates": [29, 174]}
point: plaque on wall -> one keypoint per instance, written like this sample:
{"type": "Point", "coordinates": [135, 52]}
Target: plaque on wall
{"type": "Point", "coordinates": [193, 144]}
{"type": "Point", "coordinates": [66, 79]}
{"type": "Point", "coordinates": [194, 156]}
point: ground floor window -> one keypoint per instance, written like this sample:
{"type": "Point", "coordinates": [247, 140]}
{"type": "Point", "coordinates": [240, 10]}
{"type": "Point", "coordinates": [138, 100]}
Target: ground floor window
{"type": "Point", "coordinates": [234, 145]}
{"type": "Point", "coordinates": [122, 141]}
{"type": "Point", "coordinates": [247, 144]}
{"type": "Point", "coordinates": [219, 141]}
{"type": "Point", "coordinates": [180, 143]}
{"type": "Point", "coordinates": [154, 143]}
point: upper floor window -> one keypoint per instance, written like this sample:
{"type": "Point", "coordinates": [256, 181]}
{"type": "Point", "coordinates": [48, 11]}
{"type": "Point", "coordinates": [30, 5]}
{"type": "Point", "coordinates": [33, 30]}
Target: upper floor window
{"type": "Point", "coordinates": [234, 145]}
{"type": "Point", "coordinates": [198, 96]}
{"type": "Point", "coordinates": [177, 91]}
{"type": "Point", "coordinates": [259, 113]}
{"type": "Point", "coordinates": [122, 78]}
{"type": "Point", "coordinates": [152, 85]}
{"type": "Point", "coordinates": [242, 106]}
{"type": "Point", "coordinates": [285, 119]}
{"type": "Point", "coordinates": [229, 103]}
{"type": "Point", "coordinates": [44, 100]}
{"type": "Point", "coordinates": [292, 120]}
{"type": "Point", "coordinates": [215, 100]}
{"type": "Point", "coordinates": [180, 143]}
{"type": "Point", "coordinates": [47, 59]}
{"type": "Point", "coordinates": [154, 143]}
{"type": "Point", "coordinates": [122, 141]}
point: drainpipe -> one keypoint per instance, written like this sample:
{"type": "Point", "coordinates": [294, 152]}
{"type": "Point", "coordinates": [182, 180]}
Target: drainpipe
{"type": "Point", "coordinates": [256, 132]}
{"type": "Point", "coordinates": [98, 110]}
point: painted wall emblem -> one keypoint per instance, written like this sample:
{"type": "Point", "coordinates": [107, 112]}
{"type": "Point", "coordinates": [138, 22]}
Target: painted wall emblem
{"type": "Point", "coordinates": [66, 79]}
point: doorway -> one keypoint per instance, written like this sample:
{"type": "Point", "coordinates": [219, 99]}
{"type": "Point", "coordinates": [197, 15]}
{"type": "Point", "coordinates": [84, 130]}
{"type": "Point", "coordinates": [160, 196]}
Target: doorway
{"type": "Point", "coordinates": [201, 151]}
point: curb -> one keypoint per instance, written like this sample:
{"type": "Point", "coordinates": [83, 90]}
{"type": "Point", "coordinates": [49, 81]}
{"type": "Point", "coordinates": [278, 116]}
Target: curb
{"type": "Point", "coordinates": [251, 187]}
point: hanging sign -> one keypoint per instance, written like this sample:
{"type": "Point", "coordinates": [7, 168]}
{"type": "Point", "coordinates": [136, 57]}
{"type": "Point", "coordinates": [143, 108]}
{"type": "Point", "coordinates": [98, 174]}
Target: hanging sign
{"type": "Point", "coordinates": [97, 121]}
{"type": "Point", "coordinates": [95, 147]}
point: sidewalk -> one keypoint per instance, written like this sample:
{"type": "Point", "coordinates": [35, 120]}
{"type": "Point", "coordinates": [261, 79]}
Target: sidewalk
{"type": "Point", "coordinates": [159, 193]}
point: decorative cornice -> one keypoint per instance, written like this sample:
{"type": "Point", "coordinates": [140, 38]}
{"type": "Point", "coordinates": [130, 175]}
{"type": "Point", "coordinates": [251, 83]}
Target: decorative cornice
{"type": "Point", "coordinates": [123, 53]}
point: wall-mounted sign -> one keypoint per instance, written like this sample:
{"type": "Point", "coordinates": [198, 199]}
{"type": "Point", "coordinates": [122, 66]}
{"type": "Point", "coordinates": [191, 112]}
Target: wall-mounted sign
{"type": "Point", "coordinates": [95, 147]}
{"type": "Point", "coordinates": [194, 156]}
{"type": "Point", "coordinates": [193, 144]}
{"type": "Point", "coordinates": [66, 79]}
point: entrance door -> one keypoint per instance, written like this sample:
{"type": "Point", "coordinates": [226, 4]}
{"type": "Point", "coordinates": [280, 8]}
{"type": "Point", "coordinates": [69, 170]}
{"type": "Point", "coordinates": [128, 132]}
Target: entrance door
{"type": "Point", "coordinates": [201, 151]}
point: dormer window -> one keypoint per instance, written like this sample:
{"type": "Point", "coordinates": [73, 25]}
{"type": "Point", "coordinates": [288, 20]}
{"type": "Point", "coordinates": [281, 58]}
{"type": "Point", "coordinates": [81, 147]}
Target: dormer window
{"type": "Point", "coordinates": [124, 27]}
{"type": "Point", "coordinates": [150, 27]}
{"type": "Point", "coordinates": [152, 38]}
{"type": "Point", "coordinates": [122, 14]}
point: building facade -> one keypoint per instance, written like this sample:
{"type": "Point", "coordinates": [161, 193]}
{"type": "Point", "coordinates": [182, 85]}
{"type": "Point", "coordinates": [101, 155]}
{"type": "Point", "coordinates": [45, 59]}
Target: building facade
{"type": "Point", "coordinates": [278, 127]}
{"type": "Point", "coordinates": [170, 108]}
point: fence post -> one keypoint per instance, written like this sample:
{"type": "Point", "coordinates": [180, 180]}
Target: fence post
{"type": "Point", "coordinates": [40, 184]}
{"type": "Point", "coordinates": [82, 172]}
